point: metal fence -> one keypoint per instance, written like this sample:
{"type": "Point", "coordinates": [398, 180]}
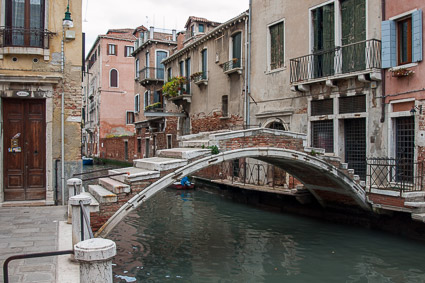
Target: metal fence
{"type": "Point", "coordinates": [395, 174]}
{"type": "Point", "coordinates": [150, 73]}
{"type": "Point", "coordinates": [25, 37]}
{"type": "Point", "coordinates": [232, 64]}
{"type": "Point", "coordinates": [359, 56]}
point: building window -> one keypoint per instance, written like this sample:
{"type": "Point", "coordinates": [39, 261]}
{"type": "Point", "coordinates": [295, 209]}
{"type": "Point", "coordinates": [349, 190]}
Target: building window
{"type": "Point", "coordinates": [137, 103]}
{"type": "Point", "coordinates": [129, 117]}
{"type": "Point", "coordinates": [322, 135]}
{"type": "Point", "coordinates": [404, 148]}
{"type": "Point", "coordinates": [137, 68]}
{"type": "Point", "coordinates": [139, 145]}
{"type": "Point", "coordinates": [322, 107]}
{"type": "Point", "coordinates": [25, 23]}
{"type": "Point", "coordinates": [146, 100]}
{"type": "Point", "coordinates": [276, 46]}
{"type": "Point", "coordinates": [204, 55]}
{"type": "Point", "coordinates": [192, 30]}
{"type": "Point", "coordinates": [169, 141]}
{"type": "Point", "coordinates": [169, 74]}
{"type": "Point", "coordinates": [112, 49]}
{"type": "Point", "coordinates": [402, 40]}
{"type": "Point", "coordinates": [128, 50]}
{"type": "Point", "coordinates": [352, 104]}
{"type": "Point", "coordinates": [113, 78]}
{"type": "Point", "coordinates": [201, 27]}
{"type": "Point", "coordinates": [236, 50]}
{"type": "Point", "coordinates": [187, 72]}
{"type": "Point", "coordinates": [160, 69]}
{"type": "Point", "coordinates": [181, 67]}
{"type": "Point", "coordinates": [225, 106]}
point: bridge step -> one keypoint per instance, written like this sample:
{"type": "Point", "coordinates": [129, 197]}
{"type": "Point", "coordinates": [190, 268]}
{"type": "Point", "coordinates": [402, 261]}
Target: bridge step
{"type": "Point", "coordinates": [414, 196]}
{"type": "Point", "coordinates": [101, 194]}
{"type": "Point", "coordinates": [159, 163]}
{"type": "Point", "coordinates": [135, 174]}
{"type": "Point", "coordinates": [195, 143]}
{"type": "Point", "coordinates": [94, 204]}
{"type": "Point", "coordinates": [415, 204]}
{"type": "Point", "coordinates": [184, 153]}
{"type": "Point", "coordinates": [114, 186]}
{"type": "Point", "coordinates": [418, 216]}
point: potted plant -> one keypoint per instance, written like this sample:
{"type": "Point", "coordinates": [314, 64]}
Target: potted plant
{"type": "Point", "coordinates": [173, 87]}
{"type": "Point", "coordinates": [402, 72]}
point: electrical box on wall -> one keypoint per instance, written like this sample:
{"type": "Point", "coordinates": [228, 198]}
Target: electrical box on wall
{"type": "Point", "coordinates": [70, 35]}
{"type": "Point", "coordinates": [421, 138]}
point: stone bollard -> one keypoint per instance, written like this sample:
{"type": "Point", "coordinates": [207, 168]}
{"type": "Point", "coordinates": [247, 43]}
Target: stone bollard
{"type": "Point", "coordinates": [95, 257]}
{"type": "Point", "coordinates": [78, 221]}
{"type": "Point", "coordinates": [75, 186]}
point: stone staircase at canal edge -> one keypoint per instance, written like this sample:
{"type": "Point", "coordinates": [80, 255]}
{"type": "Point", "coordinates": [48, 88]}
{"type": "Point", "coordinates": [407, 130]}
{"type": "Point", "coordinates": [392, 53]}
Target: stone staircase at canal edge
{"type": "Point", "coordinates": [111, 193]}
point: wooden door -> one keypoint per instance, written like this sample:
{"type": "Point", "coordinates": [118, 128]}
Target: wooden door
{"type": "Point", "coordinates": [25, 157]}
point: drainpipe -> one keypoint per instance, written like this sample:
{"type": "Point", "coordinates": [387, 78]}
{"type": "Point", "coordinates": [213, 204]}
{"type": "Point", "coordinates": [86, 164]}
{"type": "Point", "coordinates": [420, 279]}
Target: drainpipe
{"type": "Point", "coordinates": [383, 72]}
{"type": "Point", "coordinates": [245, 101]}
{"type": "Point", "coordinates": [63, 118]}
{"type": "Point", "coordinates": [248, 118]}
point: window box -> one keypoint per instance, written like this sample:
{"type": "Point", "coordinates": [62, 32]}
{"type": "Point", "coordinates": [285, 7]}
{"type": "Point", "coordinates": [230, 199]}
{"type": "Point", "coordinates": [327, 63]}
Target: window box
{"type": "Point", "coordinates": [199, 78]}
{"type": "Point", "coordinates": [401, 72]}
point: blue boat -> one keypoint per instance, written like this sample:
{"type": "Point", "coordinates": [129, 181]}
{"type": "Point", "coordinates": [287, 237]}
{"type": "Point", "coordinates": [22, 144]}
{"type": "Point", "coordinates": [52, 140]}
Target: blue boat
{"type": "Point", "coordinates": [87, 160]}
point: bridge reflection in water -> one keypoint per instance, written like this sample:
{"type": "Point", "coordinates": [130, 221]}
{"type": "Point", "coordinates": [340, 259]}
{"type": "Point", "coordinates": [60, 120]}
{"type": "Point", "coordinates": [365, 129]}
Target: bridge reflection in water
{"type": "Point", "coordinates": [201, 237]}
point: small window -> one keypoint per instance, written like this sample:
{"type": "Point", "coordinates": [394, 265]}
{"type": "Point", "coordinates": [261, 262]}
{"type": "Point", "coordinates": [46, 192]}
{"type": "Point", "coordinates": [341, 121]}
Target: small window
{"type": "Point", "coordinates": [352, 104]}
{"type": "Point", "coordinates": [169, 74]}
{"type": "Point", "coordinates": [322, 107]}
{"type": "Point", "coordinates": [225, 105]}
{"type": "Point", "coordinates": [139, 145]}
{"type": "Point", "coordinates": [112, 49]}
{"type": "Point", "coordinates": [181, 66]}
{"type": "Point", "coordinates": [137, 67]}
{"type": "Point", "coordinates": [137, 103]}
{"type": "Point", "coordinates": [404, 41]}
{"type": "Point", "coordinates": [113, 78]}
{"type": "Point", "coordinates": [201, 27]}
{"type": "Point", "coordinates": [129, 117]}
{"type": "Point", "coordinates": [169, 141]}
{"type": "Point", "coordinates": [322, 135]}
{"type": "Point", "coordinates": [128, 50]}
{"type": "Point", "coordinates": [204, 63]}
{"type": "Point", "coordinates": [146, 100]}
{"type": "Point", "coordinates": [276, 51]}
{"type": "Point", "coordinates": [192, 30]}
{"type": "Point", "coordinates": [98, 50]}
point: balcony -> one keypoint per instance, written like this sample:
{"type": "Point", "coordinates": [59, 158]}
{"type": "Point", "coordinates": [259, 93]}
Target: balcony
{"type": "Point", "coordinates": [345, 61]}
{"type": "Point", "coordinates": [14, 40]}
{"type": "Point", "coordinates": [199, 78]}
{"type": "Point", "coordinates": [232, 66]}
{"type": "Point", "coordinates": [149, 75]}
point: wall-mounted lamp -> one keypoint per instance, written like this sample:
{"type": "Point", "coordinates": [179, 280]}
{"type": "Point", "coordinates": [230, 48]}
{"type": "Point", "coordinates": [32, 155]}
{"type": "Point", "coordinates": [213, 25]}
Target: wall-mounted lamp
{"type": "Point", "coordinates": [414, 108]}
{"type": "Point", "coordinates": [67, 21]}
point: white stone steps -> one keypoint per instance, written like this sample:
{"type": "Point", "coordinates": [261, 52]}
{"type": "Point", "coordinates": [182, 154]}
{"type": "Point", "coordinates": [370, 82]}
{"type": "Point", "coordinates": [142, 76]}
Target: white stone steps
{"type": "Point", "coordinates": [159, 163]}
{"type": "Point", "coordinates": [114, 186]}
{"type": "Point", "coordinates": [418, 217]}
{"type": "Point", "coordinates": [184, 153]}
{"type": "Point", "coordinates": [94, 204]}
{"type": "Point", "coordinates": [135, 174]}
{"type": "Point", "coordinates": [195, 143]}
{"type": "Point", "coordinates": [101, 194]}
{"type": "Point", "coordinates": [415, 204]}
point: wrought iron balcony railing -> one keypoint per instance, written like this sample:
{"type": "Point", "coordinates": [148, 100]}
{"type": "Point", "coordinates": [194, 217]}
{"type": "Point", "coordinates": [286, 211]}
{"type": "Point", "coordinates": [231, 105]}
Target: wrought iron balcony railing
{"type": "Point", "coordinates": [234, 64]}
{"type": "Point", "coordinates": [22, 37]}
{"type": "Point", "coordinates": [360, 56]}
{"type": "Point", "coordinates": [150, 73]}
{"type": "Point", "coordinates": [395, 174]}
{"type": "Point", "coordinates": [199, 77]}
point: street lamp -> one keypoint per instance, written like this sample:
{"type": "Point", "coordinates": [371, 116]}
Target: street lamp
{"type": "Point", "coordinates": [67, 21]}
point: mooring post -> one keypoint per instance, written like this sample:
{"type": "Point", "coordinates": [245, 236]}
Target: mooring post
{"type": "Point", "coordinates": [74, 188]}
{"type": "Point", "coordinates": [80, 230]}
{"type": "Point", "coordinates": [95, 257]}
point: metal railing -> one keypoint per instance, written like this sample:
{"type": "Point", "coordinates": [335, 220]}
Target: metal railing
{"type": "Point", "coordinates": [402, 175]}
{"type": "Point", "coordinates": [359, 56]}
{"type": "Point", "coordinates": [200, 76]}
{"type": "Point", "coordinates": [150, 73]}
{"type": "Point", "coordinates": [23, 37]}
{"type": "Point", "coordinates": [24, 256]}
{"type": "Point", "coordinates": [232, 64]}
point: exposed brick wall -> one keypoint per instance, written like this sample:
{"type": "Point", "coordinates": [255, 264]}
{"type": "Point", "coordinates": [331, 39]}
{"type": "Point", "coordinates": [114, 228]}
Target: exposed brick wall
{"type": "Point", "coordinates": [114, 149]}
{"type": "Point", "coordinates": [386, 200]}
{"type": "Point", "coordinates": [214, 122]}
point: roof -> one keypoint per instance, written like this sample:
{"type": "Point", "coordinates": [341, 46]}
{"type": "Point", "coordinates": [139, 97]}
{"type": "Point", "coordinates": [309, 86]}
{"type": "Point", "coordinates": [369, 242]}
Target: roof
{"type": "Point", "coordinates": [126, 34]}
{"type": "Point", "coordinates": [139, 28]}
{"type": "Point", "coordinates": [198, 19]}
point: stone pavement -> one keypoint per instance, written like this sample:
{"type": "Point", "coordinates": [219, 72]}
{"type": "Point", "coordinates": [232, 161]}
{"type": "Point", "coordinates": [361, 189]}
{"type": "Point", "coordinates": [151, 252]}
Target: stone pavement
{"type": "Point", "coordinates": [30, 230]}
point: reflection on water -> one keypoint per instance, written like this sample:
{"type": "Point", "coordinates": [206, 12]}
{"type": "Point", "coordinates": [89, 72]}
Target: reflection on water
{"type": "Point", "coordinates": [201, 237]}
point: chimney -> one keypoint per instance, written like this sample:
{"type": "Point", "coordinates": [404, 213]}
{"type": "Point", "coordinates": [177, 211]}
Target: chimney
{"type": "Point", "coordinates": [151, 32]}
{"type": "Point", "coordinates": [174, 35]}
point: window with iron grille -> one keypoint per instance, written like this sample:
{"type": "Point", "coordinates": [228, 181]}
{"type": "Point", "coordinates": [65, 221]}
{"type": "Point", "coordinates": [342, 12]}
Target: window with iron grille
{"type": "Point", "coordinates": [322, 107]}
{"type": "Point", "coordinates": [355, 145]}
{"type": "Point", "coordinates": [352, 104]}
{"type": "Point", "coordinates": [276, 126]}
{"type": "Point", "coordinates": [276, 46]}
{"type": "Point", "coordinates": [405, 145]}
{"type": "Point", "coordinates": [322, 135]}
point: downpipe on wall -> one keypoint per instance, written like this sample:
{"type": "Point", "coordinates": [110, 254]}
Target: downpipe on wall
{"type": "Point", "coordinates": [63, 117]}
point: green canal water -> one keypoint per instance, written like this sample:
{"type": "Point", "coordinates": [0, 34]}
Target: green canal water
{"type": "Point", "coordinates": [199, 236]}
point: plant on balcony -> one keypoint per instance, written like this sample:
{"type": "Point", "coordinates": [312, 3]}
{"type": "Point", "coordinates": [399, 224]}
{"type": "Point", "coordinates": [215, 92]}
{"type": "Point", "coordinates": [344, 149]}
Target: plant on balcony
{"type": "Point", "coordinates": [153, 106]}
{"type": "Point", "coordinates": [196, 76]}
{"type": "Point", "coordinates": [402, 72]}
{"type": "Point", "coordinates": [173, 87]}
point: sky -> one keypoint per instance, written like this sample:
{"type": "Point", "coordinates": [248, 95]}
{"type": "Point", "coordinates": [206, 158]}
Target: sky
{"type": "Point", "coordinates": [101, 15]}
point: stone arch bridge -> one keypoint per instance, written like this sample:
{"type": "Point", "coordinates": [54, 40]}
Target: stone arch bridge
{"type": "Point", "coordinates": [326, 178]}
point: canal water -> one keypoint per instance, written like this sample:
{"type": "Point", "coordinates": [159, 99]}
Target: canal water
{"type": "Point", "coordinates": [200, 236]}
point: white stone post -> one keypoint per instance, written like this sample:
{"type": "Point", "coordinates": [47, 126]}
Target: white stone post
{"type": "Point", "coordinates": [78, 221]}
{"type": "Point", "coordinates": [74, 188]}
{"type": "Point", "coordinates": [95, 257]}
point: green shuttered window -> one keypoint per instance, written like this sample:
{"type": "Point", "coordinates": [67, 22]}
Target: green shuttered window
{"type": "Point", "coordinates": [276, 46]}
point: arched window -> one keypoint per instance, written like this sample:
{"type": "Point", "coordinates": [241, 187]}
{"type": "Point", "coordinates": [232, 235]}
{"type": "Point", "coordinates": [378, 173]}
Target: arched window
{"type": "Point", "coordinates": [113, 78]}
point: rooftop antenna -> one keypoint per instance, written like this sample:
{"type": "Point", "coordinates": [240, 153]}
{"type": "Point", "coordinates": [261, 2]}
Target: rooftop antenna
{"type": "Point", "coordinates": [147, 21]}
{"type": "Point", "coordinates": [85, 16]}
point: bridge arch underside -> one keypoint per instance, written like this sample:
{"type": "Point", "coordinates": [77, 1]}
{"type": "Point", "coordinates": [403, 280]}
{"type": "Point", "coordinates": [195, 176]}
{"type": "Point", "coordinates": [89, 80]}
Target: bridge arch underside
{"type": "Point", "coordinates": [322, 179]}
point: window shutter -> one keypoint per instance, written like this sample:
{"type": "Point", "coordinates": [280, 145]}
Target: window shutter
{"type": "Point", "coordinates": [417, 36]}
{"type": "Point", "coordinates": [389, 53]}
